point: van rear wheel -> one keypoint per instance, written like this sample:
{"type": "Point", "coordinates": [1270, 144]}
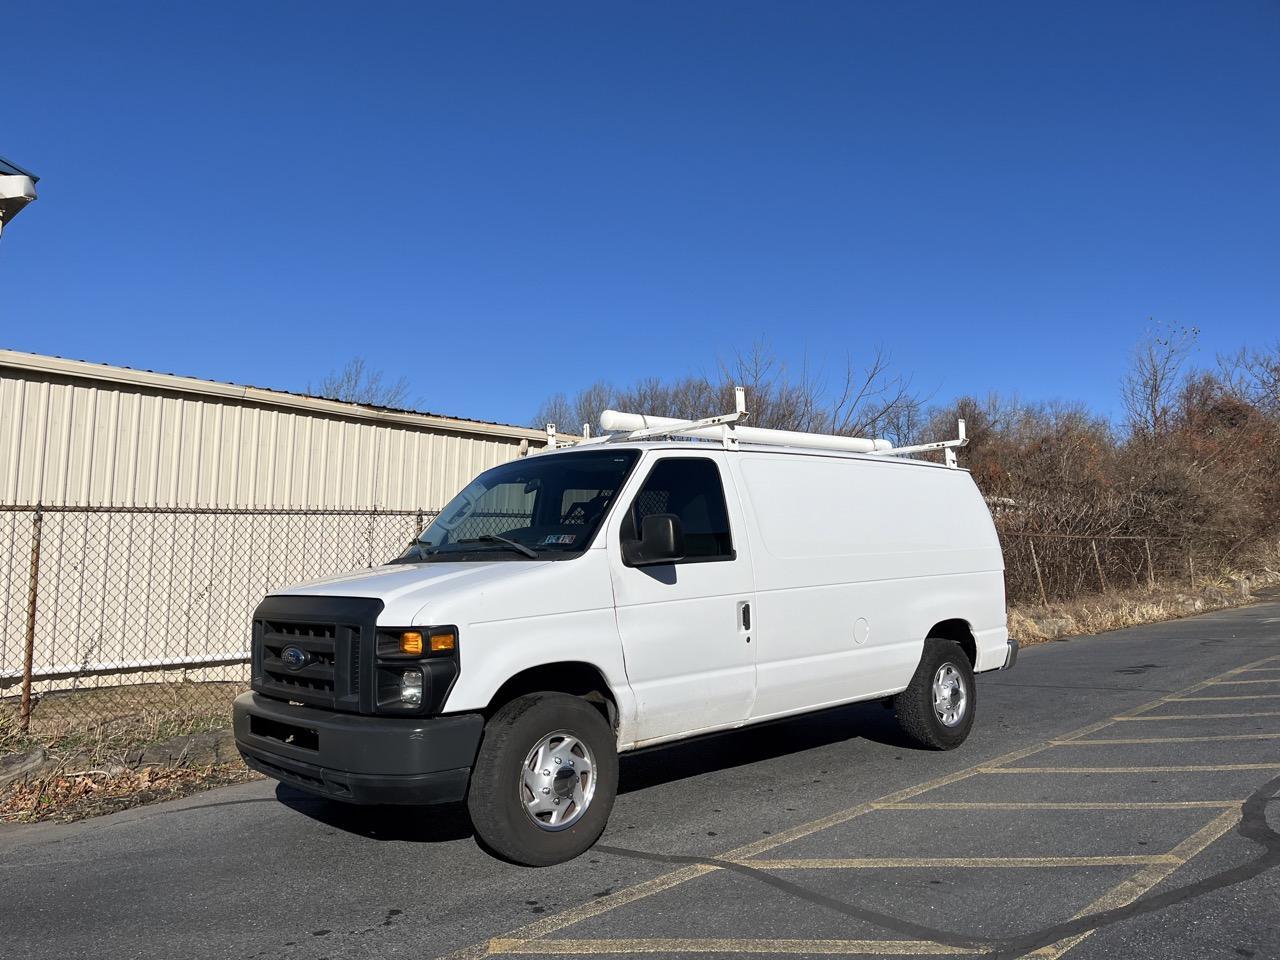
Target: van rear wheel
{"type": "Point", "coordinates": [545, 779]}
{"type": "Point", "coordinates": [936, 710]}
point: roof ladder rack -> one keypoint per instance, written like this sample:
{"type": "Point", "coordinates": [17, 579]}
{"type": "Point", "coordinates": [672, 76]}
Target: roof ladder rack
{"type": "Point", "coordinates": [726, 428]}
{"type": "Point", "coordinates": [948, 447]}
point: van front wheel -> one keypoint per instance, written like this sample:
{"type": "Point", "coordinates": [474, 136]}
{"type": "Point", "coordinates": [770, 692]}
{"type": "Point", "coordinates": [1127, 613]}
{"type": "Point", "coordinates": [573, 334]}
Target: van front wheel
{"type": "Point", "coordinates": [544, 780]}
{"type": "Point", "coordinates": [936, 711]}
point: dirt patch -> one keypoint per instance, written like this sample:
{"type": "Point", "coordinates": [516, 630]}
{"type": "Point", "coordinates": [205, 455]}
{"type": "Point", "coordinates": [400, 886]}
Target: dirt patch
{"type": "Point", "coordinates": [91, 752]}
{"type": "Point", "coordinates": [77, 794]}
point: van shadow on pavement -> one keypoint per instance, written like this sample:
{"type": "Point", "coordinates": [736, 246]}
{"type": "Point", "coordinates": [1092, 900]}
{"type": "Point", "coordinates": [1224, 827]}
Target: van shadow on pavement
{"type": "Point", "coordinates": [640, 770]}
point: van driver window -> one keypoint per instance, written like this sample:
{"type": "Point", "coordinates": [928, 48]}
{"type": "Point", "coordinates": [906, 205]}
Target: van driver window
{"type": "Point", "coordinates": [691, 489]}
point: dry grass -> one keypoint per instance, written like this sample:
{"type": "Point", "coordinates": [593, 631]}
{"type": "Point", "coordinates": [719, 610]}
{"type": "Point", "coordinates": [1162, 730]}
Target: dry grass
{"type": "Point", "coordinates": [98, 727]}
{"type": "Point", "coordinates": [1099, 613]}
{"type": "Point", "coordinates": [77, 794]}
{"type": "Point", "coordinates": [89, 736]}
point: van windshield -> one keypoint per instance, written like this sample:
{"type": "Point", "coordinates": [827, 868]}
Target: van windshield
{"type": "Point", "coordinates": [541, 507]}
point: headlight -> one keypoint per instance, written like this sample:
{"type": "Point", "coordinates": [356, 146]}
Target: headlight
{"type": "Point", "coordinates": [411, 688]}
{"type": "Point", "coordinates": [415, 668]}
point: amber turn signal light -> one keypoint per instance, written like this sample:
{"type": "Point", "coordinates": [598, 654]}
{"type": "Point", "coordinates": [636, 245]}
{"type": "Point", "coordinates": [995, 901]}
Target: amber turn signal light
{"type": "Point", "coordinates": [443, 641]}
{"type": "Point", "coordinates": [411, 643]}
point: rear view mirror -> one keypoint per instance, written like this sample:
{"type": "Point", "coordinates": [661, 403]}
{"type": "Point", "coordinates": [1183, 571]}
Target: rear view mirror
{"type": "Point", "coordinates": [661, 541]}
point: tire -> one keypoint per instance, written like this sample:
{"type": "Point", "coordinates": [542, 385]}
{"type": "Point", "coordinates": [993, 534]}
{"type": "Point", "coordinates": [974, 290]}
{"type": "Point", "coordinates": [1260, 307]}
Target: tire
{"type": "Point", "coordinates": [524, 816]}
{"type": "Point", "coordinates": [942, 662]}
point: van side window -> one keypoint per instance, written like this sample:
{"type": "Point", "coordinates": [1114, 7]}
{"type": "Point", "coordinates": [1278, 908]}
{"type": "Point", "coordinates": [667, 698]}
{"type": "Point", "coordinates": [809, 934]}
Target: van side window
{"type": "Point", "coordinates": [691, 489]}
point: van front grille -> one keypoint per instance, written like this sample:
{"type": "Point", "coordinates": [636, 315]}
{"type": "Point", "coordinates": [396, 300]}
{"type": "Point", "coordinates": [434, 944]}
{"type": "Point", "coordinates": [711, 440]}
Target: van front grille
{"type": "Point", "coordinates": [309, 677]}
{"type": "Point", "coordinates": [310, 650]}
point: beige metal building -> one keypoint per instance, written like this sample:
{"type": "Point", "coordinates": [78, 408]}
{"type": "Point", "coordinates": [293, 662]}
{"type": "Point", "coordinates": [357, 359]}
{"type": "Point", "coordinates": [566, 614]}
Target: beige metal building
{"type": "Point", "coordinates": [92, 434]}
{"type": "Point", "coordinates": [171, 505]}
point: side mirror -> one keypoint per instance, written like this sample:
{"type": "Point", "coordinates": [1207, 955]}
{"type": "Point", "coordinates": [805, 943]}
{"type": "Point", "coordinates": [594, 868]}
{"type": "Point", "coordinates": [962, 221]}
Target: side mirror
{"type": "Point", "coordinates": [661, 541]}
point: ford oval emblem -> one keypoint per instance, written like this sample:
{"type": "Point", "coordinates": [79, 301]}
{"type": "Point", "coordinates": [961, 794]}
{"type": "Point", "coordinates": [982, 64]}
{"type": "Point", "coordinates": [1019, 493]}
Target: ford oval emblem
{"type": "Point", "coordinates": [295, 658]}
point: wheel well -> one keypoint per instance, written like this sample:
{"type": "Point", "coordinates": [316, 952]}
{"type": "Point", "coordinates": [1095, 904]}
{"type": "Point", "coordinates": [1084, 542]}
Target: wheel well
{"type": "Point", "coordinates": [572, 677]}
{"type": "Point", "coordinates": [959, 631]}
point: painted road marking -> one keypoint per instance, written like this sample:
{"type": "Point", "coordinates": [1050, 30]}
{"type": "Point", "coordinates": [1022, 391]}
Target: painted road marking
{"type": "Point", "coordinates": [959, 863]}
{"type": "Point", "coordinates": [1122, 718]}
{"type": "Point", "coordinates": [1224, 683]}
{"type": "Point", "coordinates": [1242, 696]}
{"type": "Point", "coordinates": [1143, 740]}
{"type": "Point", "coordinates": [898, 948]}
{"type": "Point", "coordinates": [1187, 768]}
{"type": "Point", "coordinates": [1131, 889]}
{"type": "Point", "coordinates": [1066, 805]}
{"type": "Point", "coordinates": [574, 915]}
{"type": "Point", "coordinates": [520, 939]}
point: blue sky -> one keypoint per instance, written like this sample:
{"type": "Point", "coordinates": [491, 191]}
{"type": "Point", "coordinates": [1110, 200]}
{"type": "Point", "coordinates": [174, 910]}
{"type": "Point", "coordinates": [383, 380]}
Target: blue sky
{"type": "Point", "coordinates": [502, 200]}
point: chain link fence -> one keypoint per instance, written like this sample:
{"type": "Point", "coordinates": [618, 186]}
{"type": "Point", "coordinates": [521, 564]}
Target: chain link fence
{"type": "Point", "coordinates": [132, 624]}
{"type": "Point", "coordinates": [1047, 567]}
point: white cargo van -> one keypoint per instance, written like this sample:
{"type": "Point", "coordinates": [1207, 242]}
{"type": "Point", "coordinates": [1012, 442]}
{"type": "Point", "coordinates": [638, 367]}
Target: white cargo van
{"type": "Point", "coordinates": [628, 591]}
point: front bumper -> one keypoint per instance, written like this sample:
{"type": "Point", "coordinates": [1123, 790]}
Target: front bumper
{"type": "Point", "coordinates": [355, 758]}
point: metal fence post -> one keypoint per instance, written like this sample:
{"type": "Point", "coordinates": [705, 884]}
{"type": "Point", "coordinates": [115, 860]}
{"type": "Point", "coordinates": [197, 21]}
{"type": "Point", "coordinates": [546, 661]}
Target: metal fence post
{"type": "Point", "coordinates": [1036, 563]}
{"type": "Point", "coordinates": [421, 525]}
{"type": "Point", "coordinates": [28, 654]}
{"type": "Point", "coordinates": [1097, 562]}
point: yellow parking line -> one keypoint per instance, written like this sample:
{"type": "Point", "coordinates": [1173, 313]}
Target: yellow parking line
{"type": "Point", "coordinates": [806, 829]}
{"type": "Point", "coordinates": [1230, 683]}
{"type": "Point", "coordinates": [966, 863]}
{"type": "Point", "coordinates": [584, 911]}
{"type": "Point", "coordinates": [1137, 740]}
{"type": "Point", "coordinates": [1121, 718]}
{"type": "Point", "coordinates": [891, 948]}
{"type": "Point", "coordinates": [1184, 768]}
{"type": "Point", "coordinates": [1068, 805]}
{"type": "Point", "coordinates": [1240, 696]}
{"type": "Point", "coordinates": [1135, 886]}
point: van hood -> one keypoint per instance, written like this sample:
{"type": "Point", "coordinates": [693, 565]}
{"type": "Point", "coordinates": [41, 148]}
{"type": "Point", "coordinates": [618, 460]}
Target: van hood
{"type": "Point", "coordinates": [393, 581]}
{"type": "Point", "coordinates": [406, 588]}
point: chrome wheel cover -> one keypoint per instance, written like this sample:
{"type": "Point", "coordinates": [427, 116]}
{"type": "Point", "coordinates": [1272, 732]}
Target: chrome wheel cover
{"type": "Point", "coordinates": [950, 698]}
{"type": "Point", "coordinates": [557, 781]}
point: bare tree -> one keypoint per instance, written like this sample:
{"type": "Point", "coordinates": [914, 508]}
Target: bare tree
{"type": "Point", "coordinates": [1150, 388]}
{"type": "Point", "coordinates": [571, 414]}
{"type": "Point", "coordinates": [866, 400]}
{"type": "Point", "coordinates": [557, 409]}
{"type": "Point", "coordinates": [356, 383]}
{"type": "Point", "coordinates": [1253, 376]}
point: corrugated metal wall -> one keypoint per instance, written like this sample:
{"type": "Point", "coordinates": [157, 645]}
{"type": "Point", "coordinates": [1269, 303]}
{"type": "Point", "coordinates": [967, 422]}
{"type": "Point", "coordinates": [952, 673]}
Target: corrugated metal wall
{"type": "Point", "coordinates": [119, 590]}
{"type": "Point", "coordinates": [67, 440]}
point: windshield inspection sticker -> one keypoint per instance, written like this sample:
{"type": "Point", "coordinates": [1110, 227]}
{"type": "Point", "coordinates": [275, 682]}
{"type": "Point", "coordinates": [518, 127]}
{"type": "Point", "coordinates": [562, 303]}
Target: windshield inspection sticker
{"type": "Point", "coordinates": [565, 538]}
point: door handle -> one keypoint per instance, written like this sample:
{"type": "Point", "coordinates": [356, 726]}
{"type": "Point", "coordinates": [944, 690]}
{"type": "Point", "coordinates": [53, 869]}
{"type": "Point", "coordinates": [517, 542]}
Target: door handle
{"type": "Point", "coordinates": [746, 616]}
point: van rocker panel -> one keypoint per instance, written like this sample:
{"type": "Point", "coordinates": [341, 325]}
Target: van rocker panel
{"type": "Point", "coordinates": [358, 759]}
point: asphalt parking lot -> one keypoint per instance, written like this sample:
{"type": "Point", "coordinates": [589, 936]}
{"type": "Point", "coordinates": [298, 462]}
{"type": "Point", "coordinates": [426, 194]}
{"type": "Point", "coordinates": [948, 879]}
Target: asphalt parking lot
{"type": "Point", "coordinates": [1116, 799]}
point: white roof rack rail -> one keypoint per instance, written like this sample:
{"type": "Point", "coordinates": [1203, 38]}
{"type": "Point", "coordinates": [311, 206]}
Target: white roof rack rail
{"type": "Point", "coordinates": [948, 447]}
{"type": "Point", "coordinates": [726, 428]}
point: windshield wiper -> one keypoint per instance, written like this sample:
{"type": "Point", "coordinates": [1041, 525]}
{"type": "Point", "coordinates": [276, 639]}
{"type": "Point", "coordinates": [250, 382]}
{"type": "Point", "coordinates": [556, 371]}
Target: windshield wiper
{"type": "Point", "coordinates": [418, 547]}
{"type": "Point", "coordinates": [494, 538]}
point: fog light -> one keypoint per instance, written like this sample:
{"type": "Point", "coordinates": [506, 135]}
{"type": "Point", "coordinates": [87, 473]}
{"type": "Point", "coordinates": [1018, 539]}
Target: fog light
{"type": "Point", "coordinates": [411, 688]}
